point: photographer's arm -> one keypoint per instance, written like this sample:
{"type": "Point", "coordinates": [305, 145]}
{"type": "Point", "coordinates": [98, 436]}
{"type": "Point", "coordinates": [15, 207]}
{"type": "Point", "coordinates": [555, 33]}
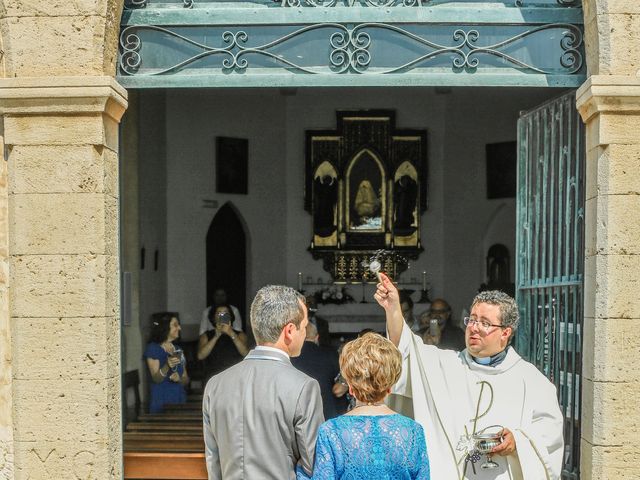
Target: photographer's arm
{"type": "Point", "coordinates": [205, 345]}
{"type": "Point", "coordinates": [239, 339]}
{"type": "Point", "coordinates": [241, 342]}
{"type": "Point", "coordinates": [158, 373]}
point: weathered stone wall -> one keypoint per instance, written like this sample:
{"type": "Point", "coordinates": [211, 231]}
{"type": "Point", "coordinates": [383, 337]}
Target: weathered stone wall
{"type": "Point", "coordinates": [61, 137]}
{"type": "Point", "coordinates": [60, 390]}
{"type": "Point", "coordinates": [610, 105]}
{"type": "Point", "coordinates": [6, 423]}
{"type": "Point", "coordinates": [60, 37]}
{"type": "Point", "coordinates": [611, 38]}
{"type": "Point", "coordinates": [59, 289]}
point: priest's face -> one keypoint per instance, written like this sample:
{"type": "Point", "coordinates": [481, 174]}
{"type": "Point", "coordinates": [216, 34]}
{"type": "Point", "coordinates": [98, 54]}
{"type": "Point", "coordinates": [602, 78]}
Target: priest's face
{"type": "Point", "coordinates": [484, 335]}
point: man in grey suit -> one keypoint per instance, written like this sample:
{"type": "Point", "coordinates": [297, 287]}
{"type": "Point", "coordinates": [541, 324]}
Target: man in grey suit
{"type": "Point", "coordinates": [261, 416]}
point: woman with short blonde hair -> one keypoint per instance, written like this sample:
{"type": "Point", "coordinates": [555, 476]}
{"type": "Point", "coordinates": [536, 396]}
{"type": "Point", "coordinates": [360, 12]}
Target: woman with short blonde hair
{"type": "Point", "coordinates": [371, 441]}
{"type": "Point", "coordinates": [371, 365]}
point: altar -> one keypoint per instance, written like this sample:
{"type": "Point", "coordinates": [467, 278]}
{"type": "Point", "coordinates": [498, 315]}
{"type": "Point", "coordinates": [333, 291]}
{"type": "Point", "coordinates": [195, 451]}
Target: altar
{"type": "Point", "coordinates": [354, 317]}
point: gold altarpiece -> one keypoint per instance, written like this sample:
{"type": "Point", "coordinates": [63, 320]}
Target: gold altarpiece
{"type": "Point", "coordinates": [365, 188]}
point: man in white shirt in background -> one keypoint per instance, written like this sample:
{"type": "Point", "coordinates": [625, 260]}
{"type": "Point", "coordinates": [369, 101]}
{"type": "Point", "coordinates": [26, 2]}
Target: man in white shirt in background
{"type": "Point", "coordinates": [219, 298]}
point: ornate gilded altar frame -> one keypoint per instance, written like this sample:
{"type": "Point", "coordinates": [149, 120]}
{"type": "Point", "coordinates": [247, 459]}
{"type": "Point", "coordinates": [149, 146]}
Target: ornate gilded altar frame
{"type": "Point", "coordinates": [366, 188]}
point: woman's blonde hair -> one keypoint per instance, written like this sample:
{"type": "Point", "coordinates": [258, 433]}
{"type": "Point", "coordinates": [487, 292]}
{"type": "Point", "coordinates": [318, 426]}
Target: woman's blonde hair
{"type": "Point", "coordinates": [371, 365]}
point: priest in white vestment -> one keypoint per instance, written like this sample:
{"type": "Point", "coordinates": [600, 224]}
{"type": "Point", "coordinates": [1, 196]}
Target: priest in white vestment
{"type": "Point", "coordinates": [486, 387]}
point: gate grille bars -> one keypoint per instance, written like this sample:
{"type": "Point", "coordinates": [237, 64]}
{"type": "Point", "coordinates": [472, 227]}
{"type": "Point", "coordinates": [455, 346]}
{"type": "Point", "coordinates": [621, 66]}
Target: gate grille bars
{"type": "Point", "coordinates": [550, 246]}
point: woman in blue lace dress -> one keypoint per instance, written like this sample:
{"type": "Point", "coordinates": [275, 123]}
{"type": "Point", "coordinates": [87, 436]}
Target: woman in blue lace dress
{"type": "Point", "coordinates": [371, 441]}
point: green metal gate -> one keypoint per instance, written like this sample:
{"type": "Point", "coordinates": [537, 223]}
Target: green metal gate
{"type": "Point", "coordinates": [550, 246]}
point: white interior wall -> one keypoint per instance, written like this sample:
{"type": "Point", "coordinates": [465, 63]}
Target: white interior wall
{"type": "Point", "coordinates": [194, 120]}
{"type": "Point", "coordinates": [476, 117]}
{"type": "Point", "coordinates": [152, 178]}
{"type": "Point", "coordinates": [457, 228]}
{"type": "Point", "coordinates": [143, 180]}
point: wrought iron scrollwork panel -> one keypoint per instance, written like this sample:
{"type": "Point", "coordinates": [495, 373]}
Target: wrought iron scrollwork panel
{"type": "Point", "coordinates": [136, 4]}
{"type": "Point", "coordinates": [367, 48]}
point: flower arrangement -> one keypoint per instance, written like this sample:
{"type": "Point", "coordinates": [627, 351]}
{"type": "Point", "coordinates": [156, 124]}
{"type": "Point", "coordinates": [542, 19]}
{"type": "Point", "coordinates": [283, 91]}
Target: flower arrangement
{"type": "Point", "coordinates": [333, 294]}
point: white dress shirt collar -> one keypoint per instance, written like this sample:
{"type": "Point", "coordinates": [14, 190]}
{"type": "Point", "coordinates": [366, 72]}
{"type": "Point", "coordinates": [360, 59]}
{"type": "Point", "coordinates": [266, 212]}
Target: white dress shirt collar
{"type": "Point", "coordinates": [272, 349]}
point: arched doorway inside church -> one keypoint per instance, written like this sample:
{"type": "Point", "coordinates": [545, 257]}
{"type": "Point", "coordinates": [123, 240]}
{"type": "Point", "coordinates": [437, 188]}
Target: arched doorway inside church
{"type": "Point", "coordinates": [226, 245]}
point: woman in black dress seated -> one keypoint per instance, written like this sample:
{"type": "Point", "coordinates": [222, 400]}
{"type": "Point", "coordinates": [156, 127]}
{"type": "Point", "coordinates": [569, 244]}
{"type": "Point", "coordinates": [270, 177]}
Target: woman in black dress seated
{"type": "Point", "coordinates": [221, 346]}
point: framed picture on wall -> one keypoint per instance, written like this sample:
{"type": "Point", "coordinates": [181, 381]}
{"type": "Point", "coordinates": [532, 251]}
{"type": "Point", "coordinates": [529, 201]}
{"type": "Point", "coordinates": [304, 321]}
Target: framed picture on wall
{"type": "Point", "coordinates": [232, 163]}
{"type": "Point", "coordinates": [502, 162]}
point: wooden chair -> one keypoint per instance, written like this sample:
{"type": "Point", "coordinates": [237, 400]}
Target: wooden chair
{"type": "Point", "coordinates": [131, 381]}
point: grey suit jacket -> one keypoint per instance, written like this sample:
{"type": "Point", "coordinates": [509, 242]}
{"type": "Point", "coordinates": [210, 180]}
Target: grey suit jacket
{"type": "Point", "coordinates": [261, 418]}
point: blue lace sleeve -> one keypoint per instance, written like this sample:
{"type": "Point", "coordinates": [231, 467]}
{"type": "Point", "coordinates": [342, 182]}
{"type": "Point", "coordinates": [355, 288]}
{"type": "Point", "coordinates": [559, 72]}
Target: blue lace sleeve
{"type": "Point", "coordinates": [422, 460]}
{"type": "Point", "coordinates": [324, 465]}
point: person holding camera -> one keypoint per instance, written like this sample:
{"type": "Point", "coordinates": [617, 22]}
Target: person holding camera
{"type": "Point", "coordinates": [220, 297]}
{"type": "Point", "coordinates": [221, 346]}
{"type": "Point", "coordinates": [166, 362]}
{"type": "Point", "coordinates": [436, 328]}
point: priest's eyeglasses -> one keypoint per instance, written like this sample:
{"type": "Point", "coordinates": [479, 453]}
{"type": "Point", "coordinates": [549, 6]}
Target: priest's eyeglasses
{"type": "Point", "coordinates": [469, 321]}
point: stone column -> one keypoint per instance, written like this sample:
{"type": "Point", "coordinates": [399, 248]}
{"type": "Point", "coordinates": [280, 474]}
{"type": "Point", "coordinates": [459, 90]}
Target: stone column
{"type": "Point", "coordinates": [610, 449]}
{"type": "Point", "coordinates": [61, 136]}
{"type": "Point", "coordinates": [6, 423]}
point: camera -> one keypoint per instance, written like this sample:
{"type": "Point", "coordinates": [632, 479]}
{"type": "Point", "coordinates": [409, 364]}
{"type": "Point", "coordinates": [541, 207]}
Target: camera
{"type": "Point", "coordinates": [224, 317]}
{"type": "Point", "coordinates": [433, 327]}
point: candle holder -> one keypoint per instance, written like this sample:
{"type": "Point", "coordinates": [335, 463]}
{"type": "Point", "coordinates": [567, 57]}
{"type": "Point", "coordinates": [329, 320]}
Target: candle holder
{"type": "Point", "coordinates": [424, 297]}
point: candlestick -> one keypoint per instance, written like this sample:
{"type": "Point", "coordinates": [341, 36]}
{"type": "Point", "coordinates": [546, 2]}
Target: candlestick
{"type": "Point", "coordinates": [299, 281]}
{"type": "Point", "coordinates": [424, 281]}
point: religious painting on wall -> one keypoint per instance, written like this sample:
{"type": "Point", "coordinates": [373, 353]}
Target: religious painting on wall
{"type": "Point", "coordinates": [502, 161]}
{"type": "Point", "coordinates": [232, 158]}
{"type": "Point", "coordinates": [365, 187]}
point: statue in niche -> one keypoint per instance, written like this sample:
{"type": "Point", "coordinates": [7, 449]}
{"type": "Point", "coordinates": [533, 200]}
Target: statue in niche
{"type": "Point", "coordinates": [498, 270]}
{"type": "Point", "coordinates": [498, 265]}
{"type": "Point", "coordinates": [367, 205]}
{"type": "Point", "coordinates": [367, 202]}
{"type": "Point", "coordinates": [325, 200]}
{"type": "Point", "coordinates": [405, 199]}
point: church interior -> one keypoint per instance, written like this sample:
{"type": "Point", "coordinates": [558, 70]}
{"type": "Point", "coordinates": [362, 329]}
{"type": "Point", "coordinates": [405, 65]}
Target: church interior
{"type": "Point", "coordinates": [189, 227]}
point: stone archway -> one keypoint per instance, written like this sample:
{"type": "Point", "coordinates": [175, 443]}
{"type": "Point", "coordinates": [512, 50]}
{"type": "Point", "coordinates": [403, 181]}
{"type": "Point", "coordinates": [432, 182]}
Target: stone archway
{"type": "Point", "coordinates": [59, 275]}
{"type": "Point", "coordinates": [59, 288]}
